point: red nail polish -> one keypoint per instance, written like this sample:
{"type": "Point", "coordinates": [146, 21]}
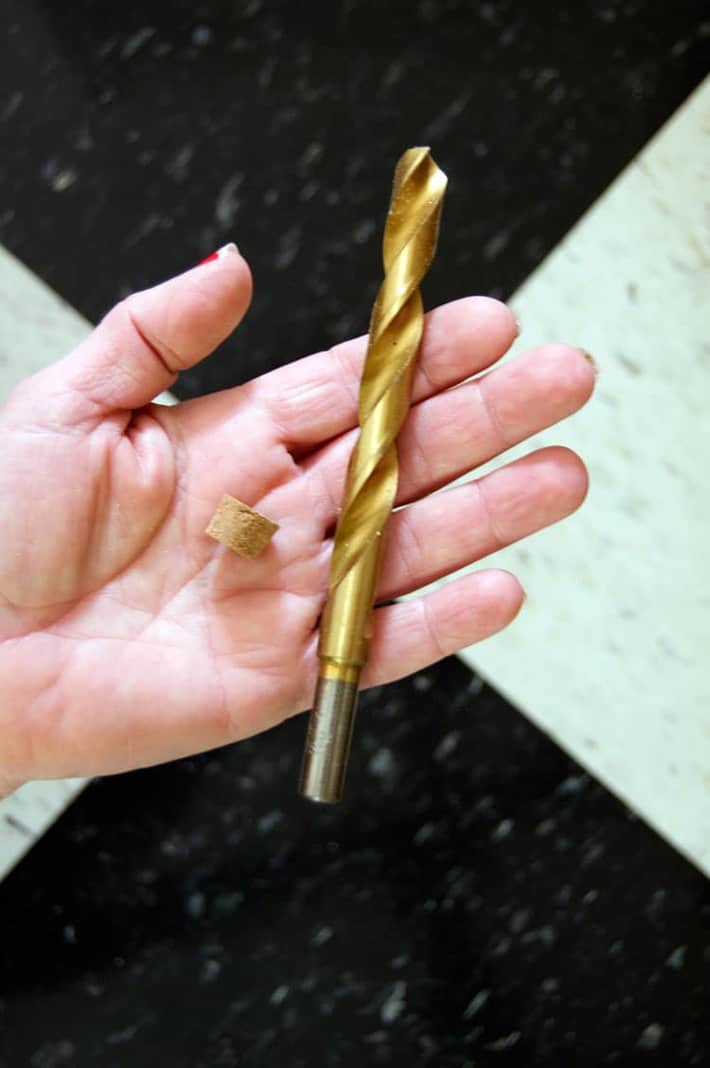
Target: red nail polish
{"type": "Point", "coordinates": [231, 247]}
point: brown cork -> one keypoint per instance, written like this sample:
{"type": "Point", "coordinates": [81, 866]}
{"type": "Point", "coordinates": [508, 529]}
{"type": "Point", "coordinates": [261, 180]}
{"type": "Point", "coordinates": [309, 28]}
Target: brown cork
{"type": "Point", "coordinates": [240, 528]}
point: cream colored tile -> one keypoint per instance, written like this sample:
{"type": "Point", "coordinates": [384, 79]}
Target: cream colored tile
{"type": "Point", "coordinates": [610, 654]}
{"type": "Point", "coordinates": [36, 325]}
{"type": "Point", "coordinates": [26, 815]}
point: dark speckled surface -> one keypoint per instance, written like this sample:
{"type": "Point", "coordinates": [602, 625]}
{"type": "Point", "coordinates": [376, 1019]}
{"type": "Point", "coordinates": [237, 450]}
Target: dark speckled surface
{"type": "Point", "coordinates": [477, 900]}
{"type": "Point", "coordinates": [138, 137]}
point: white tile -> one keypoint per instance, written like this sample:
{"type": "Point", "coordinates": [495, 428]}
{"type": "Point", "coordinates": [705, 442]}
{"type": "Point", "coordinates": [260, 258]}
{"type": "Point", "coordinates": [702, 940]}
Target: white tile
{"type": "Point", "coordinates": [610, 654]}
{"type": "Point", "coordinates": [36, 327]}
{"type": "Point", "coordinates": [26, 815]}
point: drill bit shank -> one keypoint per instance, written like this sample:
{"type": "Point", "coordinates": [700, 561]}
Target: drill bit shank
{"type": "Point", "coordinates": [409, 244]}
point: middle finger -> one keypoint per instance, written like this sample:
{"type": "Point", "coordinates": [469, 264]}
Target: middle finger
{"type": "Point", "coordinates": [454, 432]}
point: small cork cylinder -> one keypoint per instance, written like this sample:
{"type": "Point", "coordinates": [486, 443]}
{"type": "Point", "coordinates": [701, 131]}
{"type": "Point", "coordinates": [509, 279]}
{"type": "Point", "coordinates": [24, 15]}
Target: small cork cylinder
{"type": "Point", "coordinates": [240, 528]}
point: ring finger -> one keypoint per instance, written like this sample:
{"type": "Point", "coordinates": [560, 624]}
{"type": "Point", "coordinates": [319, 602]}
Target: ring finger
{"type": "Point", "coordinates": [450, 530]}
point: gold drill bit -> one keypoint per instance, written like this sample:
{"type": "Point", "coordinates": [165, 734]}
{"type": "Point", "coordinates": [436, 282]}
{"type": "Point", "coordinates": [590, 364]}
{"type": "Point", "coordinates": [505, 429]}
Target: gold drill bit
{"type": "Point", "coordinates": [408, 247]}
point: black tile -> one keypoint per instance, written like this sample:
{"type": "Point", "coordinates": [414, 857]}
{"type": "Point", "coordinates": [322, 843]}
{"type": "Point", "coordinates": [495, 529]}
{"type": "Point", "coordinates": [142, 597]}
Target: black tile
{"type": "Point", "coordinates": [137, 137]}
{"type": "Point", "coordinates": [476, 898]}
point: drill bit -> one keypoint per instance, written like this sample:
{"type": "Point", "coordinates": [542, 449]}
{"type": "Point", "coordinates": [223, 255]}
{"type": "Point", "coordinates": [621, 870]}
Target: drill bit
{"type": "Point", "coordinates": [408, 247]}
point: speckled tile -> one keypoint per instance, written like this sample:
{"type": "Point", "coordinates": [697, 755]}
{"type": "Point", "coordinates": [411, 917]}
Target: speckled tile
{"type": "Point", "coordinates": [36, 325]}
{"type": "Point", "coordinates": [476, 900]}
{"type": "Point", "coordinates": [610, 654]}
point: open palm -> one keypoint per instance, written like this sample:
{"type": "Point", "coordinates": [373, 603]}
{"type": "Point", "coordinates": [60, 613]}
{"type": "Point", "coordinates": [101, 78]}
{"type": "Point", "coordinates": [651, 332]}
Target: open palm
{"type": "Point", "coordinates": [128, 637]}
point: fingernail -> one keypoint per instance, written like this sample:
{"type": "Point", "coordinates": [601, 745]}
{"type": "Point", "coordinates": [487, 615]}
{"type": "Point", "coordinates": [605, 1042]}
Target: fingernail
{"type": "Point", "coordinates": [518, 327]}
{"type": "Point", "coordinates": [223, 251]}
{"type": "Point", "coordinates": [588, 356]}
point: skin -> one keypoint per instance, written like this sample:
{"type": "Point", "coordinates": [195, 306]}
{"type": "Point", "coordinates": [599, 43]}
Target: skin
{"type": "Point", "coordinates": [128, 637]}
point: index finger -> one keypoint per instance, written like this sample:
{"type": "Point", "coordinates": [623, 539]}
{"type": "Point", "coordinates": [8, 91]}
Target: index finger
{"type": "Point", "coordinates": [315, 399]}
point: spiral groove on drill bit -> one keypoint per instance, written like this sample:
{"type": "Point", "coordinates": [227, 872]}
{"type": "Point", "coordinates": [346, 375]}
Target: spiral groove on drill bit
{"type": "Point", "coordinates": [409, 243]}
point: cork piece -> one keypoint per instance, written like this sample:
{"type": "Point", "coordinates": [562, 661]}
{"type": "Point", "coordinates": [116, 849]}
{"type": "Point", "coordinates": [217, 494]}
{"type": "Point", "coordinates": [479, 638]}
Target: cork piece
{"type": "Point", "coordinates": [240, 528]}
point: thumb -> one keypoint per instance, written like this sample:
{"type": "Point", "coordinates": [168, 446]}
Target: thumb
{"type": "Point", "coordinates": [143, 343]}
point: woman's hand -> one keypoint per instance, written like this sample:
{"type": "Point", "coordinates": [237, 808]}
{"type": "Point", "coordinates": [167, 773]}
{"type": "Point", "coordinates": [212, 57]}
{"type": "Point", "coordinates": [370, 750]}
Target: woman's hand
{"type": "Point", "coordinates": [128, 637]}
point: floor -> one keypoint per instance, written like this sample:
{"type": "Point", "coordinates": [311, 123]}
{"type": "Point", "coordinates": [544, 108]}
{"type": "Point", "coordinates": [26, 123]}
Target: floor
{"type": "Point", "coordinates": [480, 898]}
{"type": "Point", "coordinates": [618, 597]}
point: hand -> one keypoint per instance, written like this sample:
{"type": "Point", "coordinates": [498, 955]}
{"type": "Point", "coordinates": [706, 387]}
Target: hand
{"type": "Point", "coordinates": [128, 637]}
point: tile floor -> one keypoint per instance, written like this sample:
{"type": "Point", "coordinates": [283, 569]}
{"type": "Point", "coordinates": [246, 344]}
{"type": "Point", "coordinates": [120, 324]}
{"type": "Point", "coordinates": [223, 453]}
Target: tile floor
{"type": "Point", "coordinates": [480, 896]}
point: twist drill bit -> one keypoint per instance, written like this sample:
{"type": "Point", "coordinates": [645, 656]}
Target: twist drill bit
{"type": "Point", "coordinates": [409, 243]}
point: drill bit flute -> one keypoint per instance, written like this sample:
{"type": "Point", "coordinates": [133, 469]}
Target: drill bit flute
{"type": "Point", "coordinates": [409, 244]}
